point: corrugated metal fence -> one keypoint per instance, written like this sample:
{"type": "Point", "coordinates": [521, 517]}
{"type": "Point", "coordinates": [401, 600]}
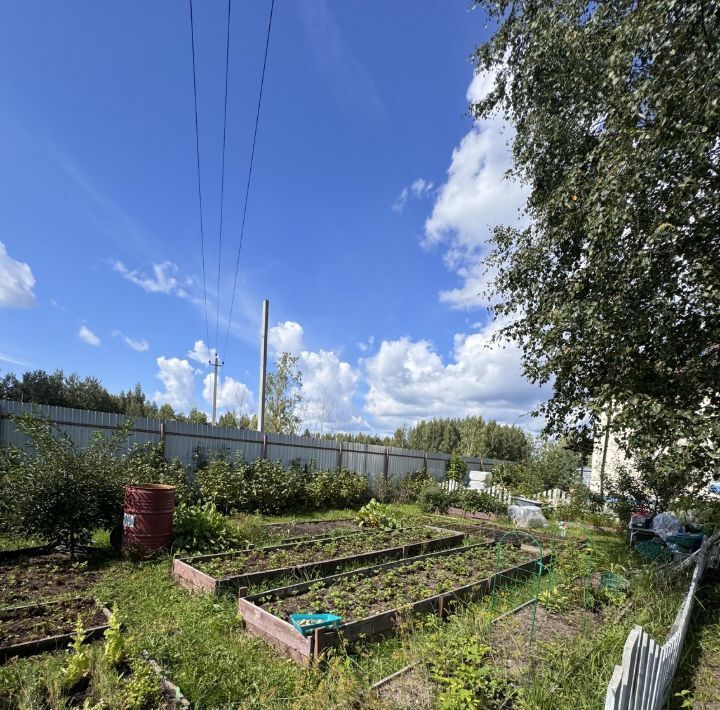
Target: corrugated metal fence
{"type": "Point", "coordinates": [643, 680]}
{"type": "Point", "coordinates": [186, 440]}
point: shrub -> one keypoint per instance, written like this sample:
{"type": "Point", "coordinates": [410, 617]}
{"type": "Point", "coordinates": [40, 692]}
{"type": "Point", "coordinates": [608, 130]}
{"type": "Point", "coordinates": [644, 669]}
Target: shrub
{"type": "Point", "coordinates": [222, 482]}
{"type": "Point", "coordinates": [433, 499]}
{"type": "Point", "coordinates": [146, 464]}
{"type": "Point", "coordinates": [202, 528]}
{"type": "Point", "coordinates": [413, 484]}
{"type": "Point", "coordinates": [272, 488]}
{"type": "Point", "coordinates": [62, 493]}
{"type": "Point", "coordinates": [479, 502]}
{"type": "Point", "coordinates": [376, 515]}
{"type": "Point", "coordinates": [456, 469]}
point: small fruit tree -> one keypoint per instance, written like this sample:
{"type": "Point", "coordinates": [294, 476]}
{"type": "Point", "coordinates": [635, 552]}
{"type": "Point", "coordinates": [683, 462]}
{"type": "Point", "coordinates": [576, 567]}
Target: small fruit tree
{"type": "Point", "coordinates": [61, 493]}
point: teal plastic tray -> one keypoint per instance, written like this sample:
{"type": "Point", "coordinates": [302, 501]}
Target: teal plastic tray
{"type": "Point", "coordinates": [317, 621]}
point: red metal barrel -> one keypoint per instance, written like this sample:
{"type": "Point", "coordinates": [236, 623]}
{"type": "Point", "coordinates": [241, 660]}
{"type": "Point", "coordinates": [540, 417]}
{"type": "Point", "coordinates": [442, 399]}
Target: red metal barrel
{"type": "Point", "coordinates": [148, 518]}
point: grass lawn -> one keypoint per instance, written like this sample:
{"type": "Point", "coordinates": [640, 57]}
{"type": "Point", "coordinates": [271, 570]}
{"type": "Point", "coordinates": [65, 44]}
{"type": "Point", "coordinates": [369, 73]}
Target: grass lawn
{"type": "Point", "coordinates": [200, 641]}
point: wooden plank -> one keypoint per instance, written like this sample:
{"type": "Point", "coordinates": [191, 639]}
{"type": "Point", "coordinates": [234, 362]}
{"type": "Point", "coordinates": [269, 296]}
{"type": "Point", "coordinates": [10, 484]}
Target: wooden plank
{"type": "Point", "coordinates": [192, 578]}
{"type": "Point", "coordinates": [639, 680]}
{"type": "Point", "coordinates": [50, 643]}
{"type": "Point", "coordinates": [383, 621]}
{"type": "Point", "coordinates": [612, 696]}
{"type": "Point", "coordinates": [629, 663]}
{"type": "Point", "coordinates": [235, 582]}
{"type": "Point", "coordinates": [302, 587]}
{"type": "Point", "coordinates": [277, 632]}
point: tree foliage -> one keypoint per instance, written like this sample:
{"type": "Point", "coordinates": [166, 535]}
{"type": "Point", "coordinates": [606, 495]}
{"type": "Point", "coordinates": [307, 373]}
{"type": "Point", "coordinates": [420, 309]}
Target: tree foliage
{"type": "Point", "coordinates": [282, 396]}
{"type": "Point", "coordinates": [613, 291]}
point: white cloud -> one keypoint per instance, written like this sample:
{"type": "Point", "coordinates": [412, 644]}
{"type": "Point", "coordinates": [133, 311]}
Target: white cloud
{"type": "Point", "coordinates": [87, 336]}
{"type": "Point", "coordinates": [408, 381]}
{"type": "Point", "coordinates": [138, 344]}
{"type": "Point", "coordinates": [178, 377]}
{"type": "Point", "coordinates": [163, 279]}
{"type": "Point", "coordinates": [476, 197]}
{"type": "Point", "coordinates": [328, 388]}
{"type": "Point", "coordinates": [231, 394]}
{"type": "Point", "coordinates": [286, 337]}
{"type": "Point", "coordinates": [16, 282]}
{"type": "Point", "coordinates": [366, 345]}
{"type": "Point", "coordinates": [417, 190]}
{"type": "Point", "coordinates": [201, 353]}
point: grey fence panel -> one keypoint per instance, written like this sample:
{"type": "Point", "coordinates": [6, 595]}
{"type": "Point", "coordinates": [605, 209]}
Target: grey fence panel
{"type": "Point", "coordinates": [185, 440]}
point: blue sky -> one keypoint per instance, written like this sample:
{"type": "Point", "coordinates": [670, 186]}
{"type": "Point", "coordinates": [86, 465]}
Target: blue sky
{"type": "Point", "coordinates": [372, 196]}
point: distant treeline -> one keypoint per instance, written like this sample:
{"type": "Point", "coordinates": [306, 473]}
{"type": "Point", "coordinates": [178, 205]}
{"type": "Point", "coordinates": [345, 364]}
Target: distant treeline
{"type": "Point", "coordinates": [471, 436]}
{"type": "Point", "coordinates": [60, 390]}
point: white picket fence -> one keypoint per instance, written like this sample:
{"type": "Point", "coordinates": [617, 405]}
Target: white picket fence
{"type": "Point", "coordinates": [643, 680]}
{"type": "Point", "coordinates": [553, 496]}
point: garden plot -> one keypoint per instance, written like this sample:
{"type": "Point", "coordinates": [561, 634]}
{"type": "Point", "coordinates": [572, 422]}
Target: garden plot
{"type": "Point", "coordinates": [33, 628]}
{"type": "Point", "coordinates": [239, 570]}
{"type": "Point", "coordinates": [41, 574]}
{"type": "Point", "coordinates": [369, 600]}
{"type": "Point", "coordinates": [303, 529]}
{"type": "Point", "coordinates": [509, 638]}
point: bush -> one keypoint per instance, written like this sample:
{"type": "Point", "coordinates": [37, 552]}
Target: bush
{"type": "Point", "coordinates": [413, 484]}
{"type": "Point", "coordinates": [222, 482]}
{"type": "Point", "coordinates": [479, 502]}
{"type": "Point", "coordinates": [62, 493]}
{"type": "Point", "coordinates": [376, 515]}
{"type": "Point", "coordinates": [456, 469]}
{"type": "Point", "coordinates": [202, 528]}
{"type": "Point", "coordinates": [146, 464]}
{"type": "Point", "coordinates": [233, 485]}
{"type": "Point", "coordinates": [433, 499]}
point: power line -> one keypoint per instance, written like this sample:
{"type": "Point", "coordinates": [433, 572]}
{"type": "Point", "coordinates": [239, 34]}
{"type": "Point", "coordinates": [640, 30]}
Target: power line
{"type": "Point", "coordinates": [197, 157]}
{"type": "Point", "coordinates": [249, 176]}
{"type": "Point", "coordinates": [222, 172]}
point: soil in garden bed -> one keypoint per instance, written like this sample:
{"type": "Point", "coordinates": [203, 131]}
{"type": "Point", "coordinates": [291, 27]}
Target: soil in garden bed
{"type": "Point", "coordinates": [311, 528]}
{"type": "Point", "coordinates": [312, 551]}
{"type": "Point", "coordinates": [509, 636]}
{"type": "Point", "coordinates": [357, 597]}
{"type": "Point", "coordinates": [35, 578]}
{"type": "Point", "coordinates": [39, 621]}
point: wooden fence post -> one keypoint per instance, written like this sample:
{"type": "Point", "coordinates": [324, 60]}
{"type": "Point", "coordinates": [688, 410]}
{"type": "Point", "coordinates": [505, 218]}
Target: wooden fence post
{"type": "Point", "coordinates": [340, 453]}
{"type": "Point", "coordinates": [386, 464]}
{"type": "Point", "coordinates": [264, 446]}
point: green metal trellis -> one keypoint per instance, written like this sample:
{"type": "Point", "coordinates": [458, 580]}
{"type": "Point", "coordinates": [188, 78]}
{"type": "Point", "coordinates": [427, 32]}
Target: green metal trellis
{"type": "Point", "coordinates": [513, 573]}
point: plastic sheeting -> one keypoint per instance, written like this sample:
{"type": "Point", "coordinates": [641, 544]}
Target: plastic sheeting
{"type": "Point", "coordinates": [666, 524]}
{"type": "Point", "coordinates": [527, 516]}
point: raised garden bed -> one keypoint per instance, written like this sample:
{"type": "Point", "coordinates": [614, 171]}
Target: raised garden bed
{"type": "Point", "coordinates": [370, 599]}
{"type": "Point", "coordinates": [43, 573]}
{"type": "Point", "coordinates": [33, 628]}
{"type": "Point", "coordinates": [236, 571]}
{"type": "Point", "coordinates": [303, 529]}
{"type": "Point", "coordinates": [460, 513]}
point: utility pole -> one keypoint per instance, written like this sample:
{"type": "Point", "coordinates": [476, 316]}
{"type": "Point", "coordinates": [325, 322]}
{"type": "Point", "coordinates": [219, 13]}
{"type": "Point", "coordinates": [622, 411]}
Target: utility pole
{"type": "Point", "coordinates": [263, 365]}
{"type": "Point", "coordinates": [215, 365]}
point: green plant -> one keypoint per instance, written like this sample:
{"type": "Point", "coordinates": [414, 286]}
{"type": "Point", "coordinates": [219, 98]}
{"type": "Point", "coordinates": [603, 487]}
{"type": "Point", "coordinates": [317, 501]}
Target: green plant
{"type": "Point", "coordinates": [114, 649]}
{"type": "Point", "coordinates": [203, 529]}
{"type": "Point", "coordinates": [465, 676]}
{"type": "Point", "coordinates": [556, 599]}
{"type": "Point", "coordinates": [479, 502]}
{"type": "Point", "coordinates": [456, 469]}
{"type": "Point", "coordinates": [78, 665]}
{"type": "Point", "coordinates": [62, 492]}
{"type": "Point", "coordinates": [433, 499]}
{"type": "Point", "coordinates": [376, 515]}
{"type": "Point", "coordinates": [142, 690]}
